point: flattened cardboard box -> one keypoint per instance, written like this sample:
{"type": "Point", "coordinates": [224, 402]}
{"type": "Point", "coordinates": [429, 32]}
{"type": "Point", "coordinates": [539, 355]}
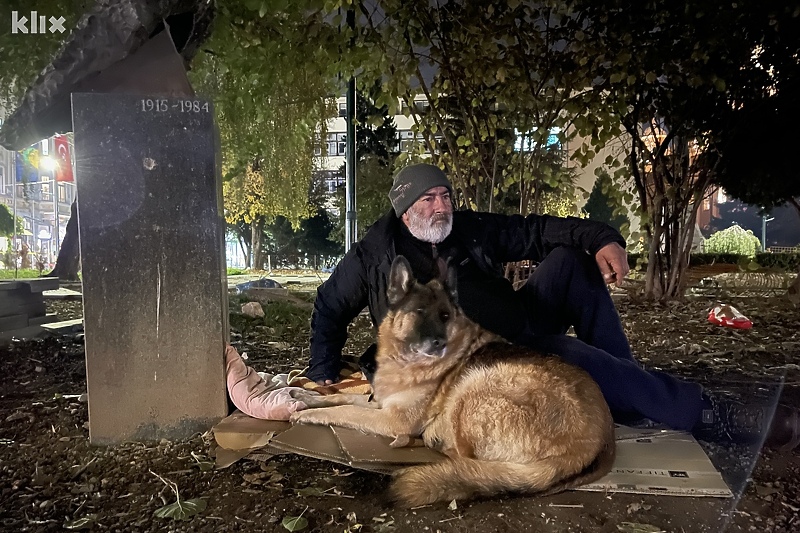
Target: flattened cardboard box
{"type": "Point", "coordinates": [650, 461]}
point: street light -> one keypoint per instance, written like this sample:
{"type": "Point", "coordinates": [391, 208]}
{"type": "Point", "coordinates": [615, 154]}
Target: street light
{"type": "Point", "coordinates": [764, 221]}
{"type": "Point", "coordinates": [48, 163]}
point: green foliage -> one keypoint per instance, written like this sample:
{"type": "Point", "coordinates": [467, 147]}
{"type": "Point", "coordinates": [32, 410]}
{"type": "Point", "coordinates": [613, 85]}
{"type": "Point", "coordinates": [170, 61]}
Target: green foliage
{"type": "Point", "coordinates": [605, 206]}
{"type": "Point", "coordinates": [733, 240]}
{"type": "Point", "coordinates": [373, 182]}
{"type": "Point", "coordinates": [182, 509]}
{"type": "Point", "coordinates": [22, 273]}
{"type": "Point", "coordinates": [376, 148]}
{"type": "Point", "coordinates": [235, 271]}
{"type": "Point", "coordinates": [24, 56]}
{"type": "Point", "coordinates": [492, 108]}
{"type": "Point", "coordinates": [312, 238]}
{"type": "Point", "coordinates": [720, 258]}
{"type": "Point", "coordinates": [669, 77]}
{"type": "Point", "coordinates": [783, 261]}
{"type": "Point", "coordinates": [7, 222]}
{"type": "Point", "coordinates": [270, 79]}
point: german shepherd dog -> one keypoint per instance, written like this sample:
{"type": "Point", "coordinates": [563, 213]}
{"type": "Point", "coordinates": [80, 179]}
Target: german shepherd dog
{"type": "Point", "coordinates": [508, 418]}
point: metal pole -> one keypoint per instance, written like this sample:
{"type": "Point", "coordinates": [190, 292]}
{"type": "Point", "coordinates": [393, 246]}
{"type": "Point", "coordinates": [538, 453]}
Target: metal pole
{"type": "Point", "coordinates": [764, 220]}
{"type": "Point", "coordinates": [351, 216]}
{"type": "Point", "coordinates": [55, 194]}
{"type": "Point", "coordinates": [14, 194]}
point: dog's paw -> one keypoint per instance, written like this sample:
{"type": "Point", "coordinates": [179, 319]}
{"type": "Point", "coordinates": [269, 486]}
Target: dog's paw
{"type": "Point", "coordinates": [307, 416]}
{"type": "Point", "coordinates": [401, 441]}
{"type": "Point", "coordinates": [296, 417]}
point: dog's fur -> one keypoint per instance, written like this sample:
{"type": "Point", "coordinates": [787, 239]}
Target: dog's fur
{"type": "Point", "coordinates": [509, 419]}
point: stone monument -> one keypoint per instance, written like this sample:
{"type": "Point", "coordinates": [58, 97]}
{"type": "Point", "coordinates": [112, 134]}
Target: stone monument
{"type": "Point", "coordinates": [153, 266]}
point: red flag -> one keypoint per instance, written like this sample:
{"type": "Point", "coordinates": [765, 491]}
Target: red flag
{"type": "Point", "coordinates": [64, 172]}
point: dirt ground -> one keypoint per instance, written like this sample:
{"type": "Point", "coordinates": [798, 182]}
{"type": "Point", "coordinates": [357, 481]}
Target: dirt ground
{"type": "Point", "coordinates": [51, 479]}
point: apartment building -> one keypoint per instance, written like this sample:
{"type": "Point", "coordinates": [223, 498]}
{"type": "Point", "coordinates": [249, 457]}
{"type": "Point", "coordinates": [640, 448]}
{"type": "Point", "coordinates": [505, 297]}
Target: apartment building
{"type": "Point", "coordinates": [38, 186]}
{"type": "Point", "coordinates": [330, 157]}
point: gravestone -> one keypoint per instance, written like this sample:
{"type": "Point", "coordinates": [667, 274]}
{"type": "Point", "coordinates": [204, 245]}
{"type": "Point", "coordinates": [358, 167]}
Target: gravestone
{"type": "Point", "coordinates": [154, 287]}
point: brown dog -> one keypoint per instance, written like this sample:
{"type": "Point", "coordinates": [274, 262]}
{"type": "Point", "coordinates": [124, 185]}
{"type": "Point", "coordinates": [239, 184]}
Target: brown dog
{"type": "Point", "coordinates": [509, 419]}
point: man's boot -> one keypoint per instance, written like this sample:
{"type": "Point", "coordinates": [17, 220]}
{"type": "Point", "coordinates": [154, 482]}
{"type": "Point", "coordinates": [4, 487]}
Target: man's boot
{"type": "Point", "coordinates": [778, 426]}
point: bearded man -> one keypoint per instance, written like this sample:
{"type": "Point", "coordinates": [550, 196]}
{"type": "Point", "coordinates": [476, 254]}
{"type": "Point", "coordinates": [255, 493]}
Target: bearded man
{"type": "Point", "coordinates": [576, 260]}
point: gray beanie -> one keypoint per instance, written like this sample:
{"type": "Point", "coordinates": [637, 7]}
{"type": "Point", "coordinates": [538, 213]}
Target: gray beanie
{"type": "Point", "coordinates": [412, 182]}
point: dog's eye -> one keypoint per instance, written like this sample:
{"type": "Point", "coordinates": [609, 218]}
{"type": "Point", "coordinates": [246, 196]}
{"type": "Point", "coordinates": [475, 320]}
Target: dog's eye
{"type": "Point", "coordinates": [445, 316]}
{"type": "Point", "coordinates": [420, 311]}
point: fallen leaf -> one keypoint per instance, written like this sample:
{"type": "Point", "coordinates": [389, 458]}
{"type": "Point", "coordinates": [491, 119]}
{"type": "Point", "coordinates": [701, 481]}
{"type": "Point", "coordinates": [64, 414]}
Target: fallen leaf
{"type": "Point", "coordinates": [182, 509]}
{"type": "Point", "coordinates": [294, 523]}
{"type": "Point", "coordinates": [309, 491]}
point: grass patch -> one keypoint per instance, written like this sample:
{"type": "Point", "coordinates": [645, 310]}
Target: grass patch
{"type": "Point", "coordinates": [283, 319]}
{"type": "Point", "coordinates": [22, 273]}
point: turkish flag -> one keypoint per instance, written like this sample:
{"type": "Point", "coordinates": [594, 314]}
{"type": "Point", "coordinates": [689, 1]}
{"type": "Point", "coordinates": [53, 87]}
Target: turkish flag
{"type": "Point", "coordinates": [64, 172]}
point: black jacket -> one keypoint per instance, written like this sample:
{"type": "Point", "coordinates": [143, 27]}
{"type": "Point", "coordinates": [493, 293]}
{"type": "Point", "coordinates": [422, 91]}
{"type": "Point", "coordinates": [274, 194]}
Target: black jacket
{"type": "Point", "coordinates": [360, 280]}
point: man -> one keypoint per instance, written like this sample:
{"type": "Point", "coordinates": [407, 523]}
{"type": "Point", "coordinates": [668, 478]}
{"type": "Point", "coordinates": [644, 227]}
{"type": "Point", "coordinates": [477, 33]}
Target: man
{"type": "Point", "coordinates": [578, 258]}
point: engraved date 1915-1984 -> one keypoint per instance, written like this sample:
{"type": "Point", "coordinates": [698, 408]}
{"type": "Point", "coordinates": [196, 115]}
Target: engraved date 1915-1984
{"type": "Point", "coordinates": [183, 106]}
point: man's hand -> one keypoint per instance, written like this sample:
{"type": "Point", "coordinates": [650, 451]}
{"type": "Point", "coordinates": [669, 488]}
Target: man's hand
{"type": "Point", "coordinates": [613, 263]}
{"type": "Point", "coordinates": [324, 382]}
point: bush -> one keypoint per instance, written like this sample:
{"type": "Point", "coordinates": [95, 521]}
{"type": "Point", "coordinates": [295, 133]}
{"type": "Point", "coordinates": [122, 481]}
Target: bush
{"type": "Point", "coordinates": [733, 240]}
{"type": "Point", "coordinates": [790, 261]}
{"type": "Point", "coordinates": [716, 259]}
{"type": "Point", "coordinates": [22, 273]}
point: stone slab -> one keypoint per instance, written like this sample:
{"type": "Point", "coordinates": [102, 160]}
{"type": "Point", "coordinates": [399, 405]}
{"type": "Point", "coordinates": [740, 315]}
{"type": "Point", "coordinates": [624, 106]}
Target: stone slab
{"type": "Point", "coordinates": [154, 292]}
{"type": "Point", "coordinates": [10, 322]}
{"type": "Point", "coordinates": [62, 294]}
{"type": "Point", "coordinates": [29, 332]}
{"type": "Point", "coordinates": [65, 326]}
{"type": "Point", "coordinates": [35, 284]}
{"type": "Point", "coordinates": [30, 309]}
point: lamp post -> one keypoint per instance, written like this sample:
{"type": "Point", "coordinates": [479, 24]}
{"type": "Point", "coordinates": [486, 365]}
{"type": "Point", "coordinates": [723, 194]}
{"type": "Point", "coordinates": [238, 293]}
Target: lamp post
{"type": "Point", "coordinates": [764, 221]}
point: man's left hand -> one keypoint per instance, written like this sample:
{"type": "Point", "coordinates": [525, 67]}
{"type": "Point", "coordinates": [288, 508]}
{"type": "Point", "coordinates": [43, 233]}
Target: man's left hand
{"type": "Point", "coordinates": [613, 262]}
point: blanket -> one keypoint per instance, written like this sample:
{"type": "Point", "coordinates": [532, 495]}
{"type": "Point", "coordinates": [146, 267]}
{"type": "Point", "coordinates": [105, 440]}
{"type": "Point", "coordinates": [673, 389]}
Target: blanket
{"type": "Point", "coordinates": [268, 396]}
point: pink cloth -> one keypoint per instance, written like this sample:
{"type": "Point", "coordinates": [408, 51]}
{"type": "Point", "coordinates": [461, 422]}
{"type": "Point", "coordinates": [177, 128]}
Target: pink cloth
{"type": "Point", "coordinates": [253, 396]}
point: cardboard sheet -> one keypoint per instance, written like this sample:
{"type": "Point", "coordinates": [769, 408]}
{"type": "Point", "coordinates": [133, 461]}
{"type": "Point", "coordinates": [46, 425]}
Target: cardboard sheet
{"type": "Point", "coordinates": [650, 461]}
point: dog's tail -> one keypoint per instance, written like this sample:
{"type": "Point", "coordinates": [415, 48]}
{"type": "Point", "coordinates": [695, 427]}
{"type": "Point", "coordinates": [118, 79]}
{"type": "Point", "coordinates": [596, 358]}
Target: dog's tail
{"type": "Point", "coordinates": [463, 478]}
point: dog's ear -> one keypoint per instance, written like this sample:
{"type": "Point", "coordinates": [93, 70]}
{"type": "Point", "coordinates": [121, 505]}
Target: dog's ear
{"type": "Point", "coordinates": [400, 280]}
{"type": "Point", "coordinates": [450, 283]}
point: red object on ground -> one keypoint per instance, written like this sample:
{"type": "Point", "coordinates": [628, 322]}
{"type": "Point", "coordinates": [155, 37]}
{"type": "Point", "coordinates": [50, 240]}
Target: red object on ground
{"type": "Point", "coordinates": [728, 316]}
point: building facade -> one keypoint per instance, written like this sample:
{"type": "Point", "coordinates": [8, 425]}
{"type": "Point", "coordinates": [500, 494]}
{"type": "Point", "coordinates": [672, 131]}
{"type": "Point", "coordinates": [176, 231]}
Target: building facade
{"type": "Point", "coordinates": [37, 186]}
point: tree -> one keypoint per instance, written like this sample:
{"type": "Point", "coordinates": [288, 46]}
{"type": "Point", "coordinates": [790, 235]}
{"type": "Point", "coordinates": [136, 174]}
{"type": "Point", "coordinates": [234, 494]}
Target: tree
{"type": "Point", "coordinates": [490, 106]}
{"type": "Point", "coordinates": [764, 119]}
{"type": "Point", "coordinates": [25, 55]}
{"type": "Point", "coordinates": [671, 78]}
{"type": "Point", "coordinates": [376, 150]}
{"type": "Point", "coordinates": [599, 205]}
{"type": "Point", "coordinates": [271, 96]}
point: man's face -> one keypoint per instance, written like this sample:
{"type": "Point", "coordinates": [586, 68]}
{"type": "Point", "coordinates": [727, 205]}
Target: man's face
{"type": "Point", "coordinates": [430, 219]}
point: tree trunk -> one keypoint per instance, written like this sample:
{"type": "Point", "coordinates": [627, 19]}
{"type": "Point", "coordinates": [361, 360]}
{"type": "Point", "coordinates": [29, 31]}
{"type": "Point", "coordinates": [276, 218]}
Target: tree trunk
{"type": "Point", "coordinates": [257, 228]}
{"type": "Point", "coordinates": [794, 289]}
{"type": "Point", "coordinates": [69, 257]}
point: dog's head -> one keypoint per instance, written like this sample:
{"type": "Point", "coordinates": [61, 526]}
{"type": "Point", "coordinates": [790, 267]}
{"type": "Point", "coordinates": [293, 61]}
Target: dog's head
{"type": "Point", "coordinates": [419, 315]}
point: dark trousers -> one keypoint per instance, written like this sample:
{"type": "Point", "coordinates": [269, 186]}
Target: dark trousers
{"type": "Point", "coordinates": [565, 290]}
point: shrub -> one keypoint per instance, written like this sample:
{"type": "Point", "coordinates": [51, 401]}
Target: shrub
{"type": "Point", "coordinates": [733, 240]}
